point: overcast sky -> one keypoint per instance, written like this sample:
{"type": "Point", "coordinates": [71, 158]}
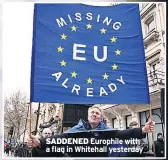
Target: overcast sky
{"type": "Point", "coordinates": [17, 44]}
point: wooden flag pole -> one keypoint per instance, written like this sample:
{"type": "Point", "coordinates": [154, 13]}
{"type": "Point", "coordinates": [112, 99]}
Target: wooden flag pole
{"type": "Point", "coordinates": [30, 119]}
{"type": "Point", "coordinates": [153, 143]}
{"type": "Point", "coordinates": [30, 122]}
{"type": "Point", "coordinates": [62, 116]}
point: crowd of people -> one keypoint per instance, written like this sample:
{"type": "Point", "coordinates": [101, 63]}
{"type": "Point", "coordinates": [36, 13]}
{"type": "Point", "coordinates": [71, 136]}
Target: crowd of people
{"type": "Point", "coordinates": [21, 149]}
{"type": "Point", "coordinates": [17, 149]}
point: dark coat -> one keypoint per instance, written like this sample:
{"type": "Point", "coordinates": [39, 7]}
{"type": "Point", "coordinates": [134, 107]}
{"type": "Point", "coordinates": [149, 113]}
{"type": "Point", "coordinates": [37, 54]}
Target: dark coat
{"type": "Point", "coordinates": [7, 148]}
{"type": "Point", "coordinates": [83, 130]}
{"type": "Point", "coordinates": [20, 151]}
{"type": "Point", "coordinates": [159, 148]}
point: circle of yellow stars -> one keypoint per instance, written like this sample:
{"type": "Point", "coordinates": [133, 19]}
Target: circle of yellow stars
{"type": "Point", "coordinates": [89, 26]}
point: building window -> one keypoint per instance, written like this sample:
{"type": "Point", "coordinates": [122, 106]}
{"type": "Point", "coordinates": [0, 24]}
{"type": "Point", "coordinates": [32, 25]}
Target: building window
{"type": "Point", "coordinates": [128, 120]}
{"type": "Point", "coordinates": [155, 65]}
{"type": "Point", "coordinates": [154, 72]}
{"type": "Point", "coordinates": [156, 116]}
{"type": "Point", "coordinates": [114, 123]}
{"type": "Point", "coordinates": [153, 69]}
{"type": "Point", "coordinates": [150, 24]}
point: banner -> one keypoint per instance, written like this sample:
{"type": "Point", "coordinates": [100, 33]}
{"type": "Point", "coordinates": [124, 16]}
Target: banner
{"type": "Point", "coordinates": [88, 55]}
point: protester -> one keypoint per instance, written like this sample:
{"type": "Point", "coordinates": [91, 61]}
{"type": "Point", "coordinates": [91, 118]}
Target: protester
{"type": "Point", "coordinates": [94, 128]}
{"type": "Point", "coordinates": [141, 144]}
{"type": "Point", "coordinates": [133, 124]}
{"type": "Point", "coordinates": [36, 151]}
{"type": "Point", "coordinates": [7, 148]}
{"type": "Point", "coordinates": [12, 149]}
{"type": "Point", "coordinates": [16, 150]}
{"type": "Point", "coordinates": [159, 146]}
{"type": "Point", "coordinates": [20, 150]}
{"type": "Point", "coordinates": [46, 132]}
{"type": "Point", "coordinates": [26, 150]}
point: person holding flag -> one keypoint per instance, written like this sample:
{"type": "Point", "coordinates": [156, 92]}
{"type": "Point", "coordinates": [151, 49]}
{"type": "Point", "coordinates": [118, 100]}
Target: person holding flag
{"type": "Point", "coordinates": [94, 128]}
{"type": "Point", "coordinates": [92, 55]}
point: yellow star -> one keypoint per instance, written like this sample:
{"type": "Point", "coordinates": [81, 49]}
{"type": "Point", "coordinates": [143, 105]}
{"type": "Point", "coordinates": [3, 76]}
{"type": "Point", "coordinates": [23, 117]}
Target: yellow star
{"type": "Point", "coordinates": [63, 63]}
{"type": "Point", "coordinates": [89, 80]}
{"type": "Point", "coordinates": [60, 49]}
{"type": "Point", "coordinates": [114, 67]}
{"type": "Point", "coordinates": [113, 39]}
{"type": "Point", "coordinates": [118, 52]}
{"type": "Point", "coordinates": [74, 74]}
{"type": "Point", "coordinates": [63, 36]}
{"type": "Point", "coordinates": [73, 28]}
{"type": "Point", "coordinates": [103, 31]}
{"type": "Point", "coordinates": [89, 26]}
{"type": "Point", "coordinates": [105, 76]}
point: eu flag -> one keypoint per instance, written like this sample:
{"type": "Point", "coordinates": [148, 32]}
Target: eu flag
{"type": "Point", "coordinates": [88, 55]}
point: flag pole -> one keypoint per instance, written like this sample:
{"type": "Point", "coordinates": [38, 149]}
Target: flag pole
{"type": "Point", "coordinates": [62, 116]}
{"type": "Point", "coordinates": [30, 122]}
{"type": "Point", "coordinates": [153, 143]}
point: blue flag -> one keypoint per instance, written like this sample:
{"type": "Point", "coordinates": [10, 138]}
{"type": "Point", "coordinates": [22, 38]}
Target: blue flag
{"type": "Point", "coordinates": [88, 55]}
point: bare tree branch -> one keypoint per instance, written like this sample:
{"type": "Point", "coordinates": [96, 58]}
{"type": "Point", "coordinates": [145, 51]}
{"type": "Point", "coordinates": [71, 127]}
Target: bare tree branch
{"type": "Point", "coordinates": [15, 111]}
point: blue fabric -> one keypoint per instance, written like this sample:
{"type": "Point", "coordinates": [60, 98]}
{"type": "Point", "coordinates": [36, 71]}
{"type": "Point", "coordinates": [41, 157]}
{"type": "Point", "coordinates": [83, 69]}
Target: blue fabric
{"type": "Point", "coordinates": [81, 127]}
{"type": "Point", "coordinates": [88, 54]}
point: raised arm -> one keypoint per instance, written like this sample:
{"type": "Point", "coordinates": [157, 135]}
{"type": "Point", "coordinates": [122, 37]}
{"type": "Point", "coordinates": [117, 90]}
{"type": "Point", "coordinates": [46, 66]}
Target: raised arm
{"type": "Point", "coordinates": [130, 133]}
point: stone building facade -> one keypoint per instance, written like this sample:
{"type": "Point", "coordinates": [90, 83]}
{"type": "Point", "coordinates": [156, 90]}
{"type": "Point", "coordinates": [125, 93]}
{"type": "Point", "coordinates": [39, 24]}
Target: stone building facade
{"type": "Point", "coordinates": [50, 116]}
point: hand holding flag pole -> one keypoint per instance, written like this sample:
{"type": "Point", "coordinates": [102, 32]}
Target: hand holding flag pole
{"type": "Point", "coordinates": [150, 127]}
{"type": "Point", "coordinates": [153, 143]}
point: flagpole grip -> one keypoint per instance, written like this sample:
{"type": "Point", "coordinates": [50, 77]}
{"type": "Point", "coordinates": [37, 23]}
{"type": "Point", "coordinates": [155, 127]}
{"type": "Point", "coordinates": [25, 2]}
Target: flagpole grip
{"type": "Point", "coordinates": [153, 143]}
